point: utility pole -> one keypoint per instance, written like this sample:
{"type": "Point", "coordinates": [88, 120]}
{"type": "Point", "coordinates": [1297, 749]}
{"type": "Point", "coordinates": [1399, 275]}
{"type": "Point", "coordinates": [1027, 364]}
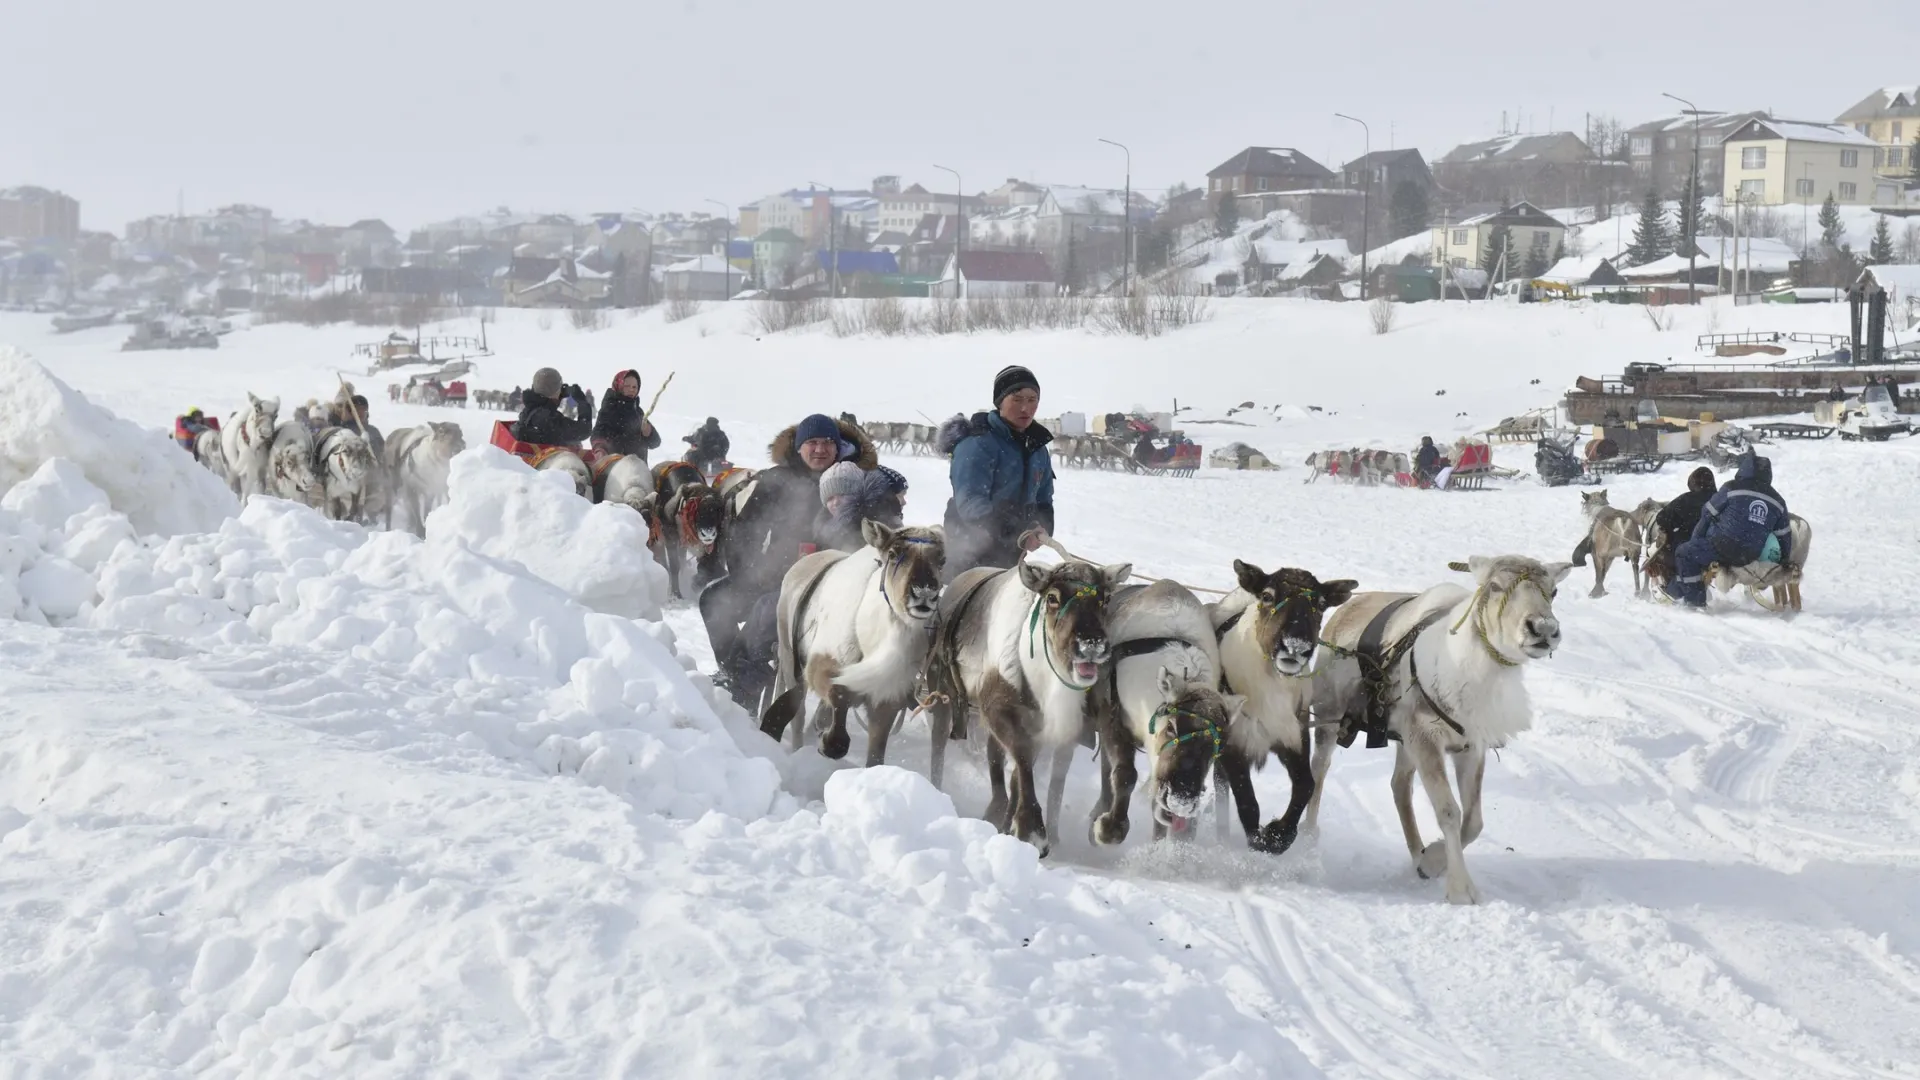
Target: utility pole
{"type": "Point", "coordinates": [1693, 193]}
{"type": "Point", "coordinates": [1366, 197]}
{"type": "Point", "coordinates": [726, 253]}
{"type": "Point", "coordinates": [1126, 235]}
{"type": "Point", "coordinates": [959, 237]}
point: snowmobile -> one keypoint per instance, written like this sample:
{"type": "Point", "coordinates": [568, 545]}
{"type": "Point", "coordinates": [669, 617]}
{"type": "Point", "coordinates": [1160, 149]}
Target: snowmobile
{"type": "Point", "coordinates": [1556, 462]}
{"type": "Point", "coordinates": [1871, 416]}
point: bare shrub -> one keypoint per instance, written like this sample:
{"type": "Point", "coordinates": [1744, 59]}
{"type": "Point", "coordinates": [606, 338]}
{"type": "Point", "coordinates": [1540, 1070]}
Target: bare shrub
{"type": "Point", "coordinates": [589, 319]}
{"type": "Point", "coordinates": [847, 318]}
{"type": "Point", "coordinates": [1660, 317]}
{"type": "Point", "coordinates": [545, 321]}
{"type": "Point", "coordinates": [887, 317]}
{"type": "Point", "coordinates": [1381, 312]}
{"type": "Point", "coordinates": [680, 308]}
{"type": "Point", "coordinates": [779, 316]}
{"type": "Point", "coordinates": [946, 316]}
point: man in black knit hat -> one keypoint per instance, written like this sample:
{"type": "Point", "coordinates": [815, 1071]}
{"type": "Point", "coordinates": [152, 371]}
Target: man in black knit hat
{"type": "Point", "coordinates": [1002, 478]}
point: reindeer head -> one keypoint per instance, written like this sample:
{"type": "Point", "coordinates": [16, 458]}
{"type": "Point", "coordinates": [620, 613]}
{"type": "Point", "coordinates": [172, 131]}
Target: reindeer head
{"type": "Point", "coordinates": [349, 458]}
{"type": "Point", "coordinates": [1185, 736]}
{"type": "Point", "coordinates": [701, 512]}
{"type": "Point", "coordinates": [1288, 607]}
{"type": "Point", "coordinates": [1592, 502]}
{"type": "Point", "coordinates": [1069, 617]}
{"type": "Point", "coordinates": [291, 458]}
{"type": "Point", "coordinates": [258, 419]}
{"type": "Point", "coordinates": [1513, 607]}
{"type": "Point", "coordinates": [448, 439]}
{"type": "Point", "coordinates": [910, 564]}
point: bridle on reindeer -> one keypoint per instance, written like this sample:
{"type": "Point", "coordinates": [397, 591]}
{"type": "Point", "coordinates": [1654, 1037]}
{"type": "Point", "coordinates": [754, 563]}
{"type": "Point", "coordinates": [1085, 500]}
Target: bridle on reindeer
{"type": "Point", "coordinates": [1279, 607]}
{"type": "Point", "coordinates": [1080, 592]}
{"type": "Point", "coordinates": [1477, 609]}
{"type": "Point", "coordinates": [896, 563]}
{"type": "Point", "coordinates": [1207, 727]}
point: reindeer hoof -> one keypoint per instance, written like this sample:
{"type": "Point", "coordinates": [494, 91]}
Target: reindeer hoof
{"type": "Point", "coordinates": [1468, 895]}
{"type": "Point", "coordinates": [1432, 862]}
{"type": "Point", "coordinates": [1273, 838]}
{"type": "Point", "coordinates": [834, 744]}
{"type": "Point", "coordinates": [1109, 830]}
{"type": "Point", "coordinates": [1597, 593]}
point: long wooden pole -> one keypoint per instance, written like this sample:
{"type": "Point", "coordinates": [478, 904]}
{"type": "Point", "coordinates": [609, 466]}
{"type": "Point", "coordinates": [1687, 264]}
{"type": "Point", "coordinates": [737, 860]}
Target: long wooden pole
{"type": "Point", "coordinates": [668, 381]}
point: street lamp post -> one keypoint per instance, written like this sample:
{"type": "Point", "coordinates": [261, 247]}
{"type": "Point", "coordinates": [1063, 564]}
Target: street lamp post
{"type": "Point", "coordinates": [1366, 196]}
{"type": "Point", "coordinates": [833, 245]}
{"type": "Point", "coordinates": [1126, 233]}
{"type": "Point", "coordinates": [960, 234]}
{"type": "Point", "coordinates": [1693, 193]}
{"type": "Point", "coordinates": [726, 253]}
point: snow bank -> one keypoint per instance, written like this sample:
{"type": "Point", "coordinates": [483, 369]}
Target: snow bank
{"type": "Point", "coordinates": [159, 489]}
{"type": "Point", "coordinates": [597, 554]}
{"type": "Point", "coordinates": [55, 531]}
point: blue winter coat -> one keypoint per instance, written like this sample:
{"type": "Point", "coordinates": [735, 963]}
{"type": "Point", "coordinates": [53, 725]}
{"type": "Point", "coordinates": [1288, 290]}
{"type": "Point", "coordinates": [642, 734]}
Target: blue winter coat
{"type": "Point", "coordinates": [1002, 487]}
{"type": "Point", "coordinates": [1742, 514]}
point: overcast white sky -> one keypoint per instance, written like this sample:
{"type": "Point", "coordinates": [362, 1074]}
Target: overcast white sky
{"type": "Point", "coordinates": [413, 110]}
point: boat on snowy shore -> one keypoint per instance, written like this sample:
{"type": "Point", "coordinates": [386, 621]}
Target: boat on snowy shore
{"type": "Point", "coordinates": [170, 334]}
{"type": "Point", "coordinates": [85, 319]}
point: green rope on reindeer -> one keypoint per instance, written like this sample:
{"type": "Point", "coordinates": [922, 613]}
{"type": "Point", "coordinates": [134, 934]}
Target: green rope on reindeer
{"type": "Point", "coordinates": [1211, 729]}
{"type": "Point", "coordinates": [1080, 592]}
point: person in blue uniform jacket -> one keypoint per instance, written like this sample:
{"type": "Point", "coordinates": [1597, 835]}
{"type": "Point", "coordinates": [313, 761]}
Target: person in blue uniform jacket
{"type": "Point", "coordinates": [1734, 529]}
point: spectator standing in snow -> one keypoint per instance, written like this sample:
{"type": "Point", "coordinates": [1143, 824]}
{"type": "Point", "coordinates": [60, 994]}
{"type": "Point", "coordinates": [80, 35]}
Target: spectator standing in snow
{"type": "Point", "coordinates": [1002, 475]}
{"type": "Point", "coordinates": [622, 427]}
{"type": "Point", "coordinates": [541, 420]}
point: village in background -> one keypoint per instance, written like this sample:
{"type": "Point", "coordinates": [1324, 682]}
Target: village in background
{"type": "Point", "coordinates": [1686, 205]}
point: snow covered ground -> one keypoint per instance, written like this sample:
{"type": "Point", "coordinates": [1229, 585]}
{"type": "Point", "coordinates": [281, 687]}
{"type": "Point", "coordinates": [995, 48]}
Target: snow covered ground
{"type": "Point", "coordinates": [284, 797]}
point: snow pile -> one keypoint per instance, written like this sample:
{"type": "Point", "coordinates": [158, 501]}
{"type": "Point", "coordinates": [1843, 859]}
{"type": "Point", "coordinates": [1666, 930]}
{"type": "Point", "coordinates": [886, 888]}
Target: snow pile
{"type": "Point", "coordinates": [596, 554]}
{"type": "Point", "coordinates": [159, 488]}
{"type": "Point", "coordinates": [55, 531]}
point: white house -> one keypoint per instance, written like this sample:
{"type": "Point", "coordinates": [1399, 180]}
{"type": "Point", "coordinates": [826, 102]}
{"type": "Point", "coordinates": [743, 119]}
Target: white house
{"type": "Point", "coordinates": [900, 211]}
{"type": "Point", "coordinates": [704, 277]}
{"type": "Point", "coordinates": [1534, 235]}
{"type": "Point", "coordinates": [1777, 162]}
{"type": "Point", "coordinates": [982, 274]}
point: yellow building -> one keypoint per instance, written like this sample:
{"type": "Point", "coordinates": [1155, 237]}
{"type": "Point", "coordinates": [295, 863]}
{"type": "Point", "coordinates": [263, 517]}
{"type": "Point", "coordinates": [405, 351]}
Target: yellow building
{"type": "Point", "coordinates": [1777, 162]}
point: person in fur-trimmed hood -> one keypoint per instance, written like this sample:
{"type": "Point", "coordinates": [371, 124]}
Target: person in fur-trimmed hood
{"type": "Point", "coordinates": [1002, 477]}
{"type": "Point", "coordinates": [622, 426]}
{"type": "Point", "coordinates": [772, 531]}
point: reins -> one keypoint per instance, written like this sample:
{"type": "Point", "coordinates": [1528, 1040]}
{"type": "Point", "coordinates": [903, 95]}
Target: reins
{"type": "Point", "coordinates": [1477, 610]}
{"type": "Point", "coordinates": [1080, 592]}
{"type": "Point", "coordinates": [1208, 727]}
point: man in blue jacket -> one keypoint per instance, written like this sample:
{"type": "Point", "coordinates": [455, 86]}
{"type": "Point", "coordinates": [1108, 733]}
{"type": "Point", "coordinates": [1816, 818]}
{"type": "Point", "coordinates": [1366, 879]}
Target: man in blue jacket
{"type": "Point", "coordinates": [1002, 478]}
{"type": "Point", "coordinates": [1734, 530]}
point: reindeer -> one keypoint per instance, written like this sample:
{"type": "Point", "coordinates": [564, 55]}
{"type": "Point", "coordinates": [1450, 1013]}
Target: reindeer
{"type": "Point", "coordinates": [208, 452]}
{"type": "Point", "coordinates": [1440, 671]}
{"type": "Point", "coordinates": [347, 473]}
{"type": "Point", "coordinates": [290, 463]}
{"type": "Point", "coordinates": [418, 460]}
{"type": "Point", "coordinates": [1269, 629]}
{"type": "Point", "coordinates": [1162, 695]}
{"type": "Point", "coordinates": [854, 630]}
{"type": "Point", "coordinates": [1025, 646]}
{"type": "Point", "coordinates": [1615, 535]}
{"type": "Point", "coordinates": [248, 435]}
{"type": "Point", "coordinates": [690, 513]}
{"type": "Point", "coordinates": [565, 459]}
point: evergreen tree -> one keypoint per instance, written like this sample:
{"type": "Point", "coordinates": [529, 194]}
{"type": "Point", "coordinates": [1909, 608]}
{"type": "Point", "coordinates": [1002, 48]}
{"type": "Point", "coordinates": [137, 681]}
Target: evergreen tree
{"type": "Point", "coordinates": [1226, 215]}
{"type": "Point", "coordinates": [1651, 240]}
{"type": "Point", "coordinates": [1693, 212]}
{"type": "Point", "coordinates": [1832, 232]}
{"type": "Point", "coordinates": [1500, 241]}
{"type": "Point", "coordinates": [1407, 211]}
{"type": "Point", "coordinates": [1880, 252]}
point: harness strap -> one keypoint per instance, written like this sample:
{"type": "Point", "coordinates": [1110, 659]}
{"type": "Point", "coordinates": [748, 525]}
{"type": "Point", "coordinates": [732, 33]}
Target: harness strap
{"type": "Point", "coordinates": [1413, 671]}
{"type": "Point", "coordinates": [947, 647]}
{"type": "Point", "coordinates": [1127, 650]}
{"type": "Point", "coordinates": [1374, 671]}
{"type": "Point", "coordinates": [800, 616]}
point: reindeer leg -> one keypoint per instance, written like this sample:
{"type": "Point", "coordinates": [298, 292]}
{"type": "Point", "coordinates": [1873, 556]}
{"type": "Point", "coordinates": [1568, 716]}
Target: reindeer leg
{"type": "Point", "coordinates": [880, 721]}
{"type": "Point", "coordinates": [1024, 820]}
{"type": "Point", "coordinates": [1111, 826]}
{"type": "Point", "coordinates": [1402, 785]}
{"type": "Point", "coordinates": [1469, 770]}
{"type": "Point", "coordinates": [1324, 745]}
{"type": "Point", "coordinates": [834, 741]}
{"type": "Point", "coordinates": [939, 725]}
{"type": "Point", "coordinates": [1105, 802]}
{"type": "Point", "coordinates": [997, 776]}
{"type": "Point", "coordinates": [1057, 788]}
{"type": "Point", "coordinates": [1600, 564]}
{"type": "Point", "coordinates": [781, 711]}
{"type": "Point", "coordinates": [1238, 774]}
{"type": "Point", "coordinates": [1278, 835]}
{"type": "Point", "coordinates": [1433, 777]}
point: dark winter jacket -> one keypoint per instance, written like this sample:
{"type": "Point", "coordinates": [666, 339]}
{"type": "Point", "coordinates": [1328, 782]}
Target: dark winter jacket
{"type": "Point", "coordinates": [1677, 520]}
{"type": "Point", "coordinates": [542, 423]}
{"type": "Point", "coordinates": [782, 513]}
{"type": "Point", "coordinates": [878, 500]}
{"type": "Point", "coordinates": [622, 427]}
{"type": "Point", "coordinates": [1002, 487]}
{"type": "Point", "coordinates": [1427, 459]}
{"type": "Point", "coordinates": [708, 443]}
{"type": "Point", "coordinates": [1741, 515]}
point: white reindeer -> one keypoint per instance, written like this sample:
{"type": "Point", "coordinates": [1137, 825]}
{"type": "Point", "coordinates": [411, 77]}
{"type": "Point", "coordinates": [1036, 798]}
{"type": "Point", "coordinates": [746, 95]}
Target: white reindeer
{"type": "Point", "coordinates": [571, 463]}
{"type": "Point", "coordinates": [418, 461]}
{"type": "Point", "coordinates": [853, 629]}
{"type": "Point", "coordinates": [348, 473]}
{"type": "Point", "coordinates": [628, 482]}
{"type": "Point", "coordinates": [207, 451]}
{"type": "Point", "coordinates": [1449, 685]}
{"type": "Point", "coordinates": [290, 463]}
{"type": "Point", "coordinates": [247, 437]}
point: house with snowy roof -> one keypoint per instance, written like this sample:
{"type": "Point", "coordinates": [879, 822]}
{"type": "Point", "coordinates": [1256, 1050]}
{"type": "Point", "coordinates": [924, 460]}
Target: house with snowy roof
{"type": "Point", "coordinates": [1773, 162]}
{"type": "Point", "coordinates": [1533, 235]}
{"type": "Point", "coordinates": [1890, 116]}
{"type": "Point", "coordinates": [982, 274]}
{"type": "Point", "coordinates": [1556, 167]}
{"type": "Point", "coordinates": [1267, 168]}
{"type": "Point", "coordinates": [1293, 262]}
{"type": "Point", "coordinates": [1662, 150]}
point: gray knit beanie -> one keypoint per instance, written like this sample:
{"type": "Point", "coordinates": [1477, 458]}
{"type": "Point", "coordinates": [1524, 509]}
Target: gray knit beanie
{"type": "Point", "coordinates": [845, 478]}
{"type": "Point", "coordinates": [546, 383]}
